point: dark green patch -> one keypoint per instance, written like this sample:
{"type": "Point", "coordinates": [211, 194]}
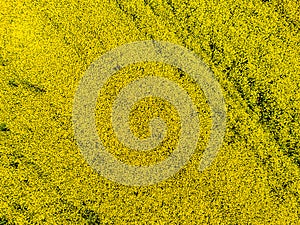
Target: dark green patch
{"type": "Point", "coordinates": [68, 206]}
{"type": "Point", "coordinates": [171, 5]}
{"type": "Point", "coordinates": [3, 127]}
{"type": "Point", "coordinates": [265, 103]}
{"type": "Point", "coordinates": [14, 164]}
{"type": "Point", "coordinates": [13, 83]}
{"type": "Point", "coordinates": [3, 62]}
{"type": "Point", "coordinates": [34, 87]}
{"type": "Point", "coordinates": [90, 216]}
{"type": "Point", "coordinates": [19, 207]}
{"type": "Point", "coordinates": [121, 6]}
{"type": "Point", "coordinates": [181, 73]}
{"type": "Point", "coordinates": [3, 221]}
{"type": "Point", "coordinates": [15, 158]}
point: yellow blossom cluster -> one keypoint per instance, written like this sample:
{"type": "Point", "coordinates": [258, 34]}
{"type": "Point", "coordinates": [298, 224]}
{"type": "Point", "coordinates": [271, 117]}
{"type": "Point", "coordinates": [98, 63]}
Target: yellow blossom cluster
{"type": "Point", "coordinates": [252, 47]}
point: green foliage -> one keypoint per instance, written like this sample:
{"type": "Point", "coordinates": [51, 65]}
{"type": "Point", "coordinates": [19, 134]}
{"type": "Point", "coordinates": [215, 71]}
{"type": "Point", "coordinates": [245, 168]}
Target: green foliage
{"type": "Point", "coordinates": [3, 127]}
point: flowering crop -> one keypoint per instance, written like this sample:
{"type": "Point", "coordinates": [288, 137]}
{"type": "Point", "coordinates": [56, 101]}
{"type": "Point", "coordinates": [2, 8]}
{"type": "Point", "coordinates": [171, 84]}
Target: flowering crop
{"type": "Point", "coordinates": [251, 46]}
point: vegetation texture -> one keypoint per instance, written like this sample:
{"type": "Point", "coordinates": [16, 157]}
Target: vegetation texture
{"type": "Point", "coordinates": [252, 46]}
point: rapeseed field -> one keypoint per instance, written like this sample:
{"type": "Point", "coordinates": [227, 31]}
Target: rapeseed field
{"type": "Point", "coordinates": [251, 46]}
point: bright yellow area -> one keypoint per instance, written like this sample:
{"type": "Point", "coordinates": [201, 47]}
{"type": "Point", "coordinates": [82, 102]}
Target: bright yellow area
{"type": "Point", "coordinates": [147, 109]}
{"type": "Point", "coordinates": [251, 46]}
